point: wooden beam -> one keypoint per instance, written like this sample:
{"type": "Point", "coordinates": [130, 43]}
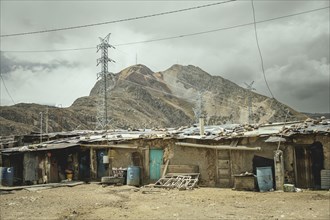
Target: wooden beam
{"type": "Point", "coordinates": [218, 147]}
{"type": "Point", "coordinates": [216, 168]}
{"type": "Point", "coordinates": [147, 163]}
{"type": "Point", "coordinates": [165, 168]}
{"type": "Point", "coordinates": [120, 146]}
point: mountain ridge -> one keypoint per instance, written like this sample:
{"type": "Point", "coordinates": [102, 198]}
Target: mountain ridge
{"type": "Point", "coordinates": [141, 98]}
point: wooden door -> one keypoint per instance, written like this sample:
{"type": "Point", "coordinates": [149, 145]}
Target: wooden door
{"type": "Point", "coordinates": [303, 168]}
{"type": "Point", "coordinates": [224, 169]}
{"type": "Point", "coordinates": [53, 177]}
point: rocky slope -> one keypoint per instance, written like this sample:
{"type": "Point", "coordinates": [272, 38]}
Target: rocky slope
{"type": "Point", "coordinates": [140, 98]}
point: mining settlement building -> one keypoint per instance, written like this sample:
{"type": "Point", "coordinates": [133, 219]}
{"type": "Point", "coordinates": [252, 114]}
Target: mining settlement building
{"type": "Point", "coordinates": [295, 153]}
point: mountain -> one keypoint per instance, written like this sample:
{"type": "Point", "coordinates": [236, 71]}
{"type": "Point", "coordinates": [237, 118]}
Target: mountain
{"type": "Point", "coordinates": [317, 116]}
{"type": "Point", "coordinates": [140, 98]}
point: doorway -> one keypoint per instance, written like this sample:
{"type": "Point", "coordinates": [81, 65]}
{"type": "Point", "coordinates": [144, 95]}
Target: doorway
{"type": "Point", "coordinates": [102, 169]}
{"type": "Point", "coordinates": [317, 159]}
{"type": "Point", "coordinates": [84, 165]}
{"type": "Point", "coordinates": [309, 161]}
{"type": "Point", "coordinates": [156, 160]}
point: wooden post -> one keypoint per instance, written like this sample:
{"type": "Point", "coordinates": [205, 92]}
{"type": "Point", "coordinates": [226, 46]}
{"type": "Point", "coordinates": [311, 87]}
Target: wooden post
{"type": "Point", "coordinates": [279, 169]}
{"type": "Point", "coordinates": [146, 163]}
{"type": "Point", "coordinates": [75, 162]}
{"type": "Point", "coordinates": [231, 182]}
{"type": "Point", "coordinates": [165, 168]}
{"type": "Point", "coordinates": [216, 167]}
{"type": "Point", "coordinates": [92, 163]}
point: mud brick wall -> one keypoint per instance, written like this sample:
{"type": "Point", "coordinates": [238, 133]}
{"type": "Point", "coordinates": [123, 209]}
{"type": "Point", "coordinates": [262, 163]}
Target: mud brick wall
{"type": "Point", "coordinates": [203, 158]}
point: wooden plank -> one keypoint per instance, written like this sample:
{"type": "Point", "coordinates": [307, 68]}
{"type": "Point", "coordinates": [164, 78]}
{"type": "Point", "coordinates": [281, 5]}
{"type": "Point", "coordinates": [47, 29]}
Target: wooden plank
{"type": "Point", "coordinates": [224, 183]}
{"type": "Point", "coordinates": [92, 163]}
{"type": "Point", "coordinates": [224, 172]}
{"type": "Point", "coordinates": [223, 164]}
{"type": "Point", "coordinates": [120, 146]}
{"type": "Point", "coordinates": [165, 168]}
{"type": "Point", "coordinates": [244, 183]}
{"type": "Point", "coordinates": [234, 143]}
{"type": "Point", "coordinates": [147, 163]}
{"type": "Point", "coordinates": [224, 176]}
{"type": "Point", "coordinates": [181, 168]}
{"type": "Point", "coordinates": [71, 184]}
{"type": "Point", "coordinates": [223, 155]}
{"type": "Point", "coordinates": [216, 168]}
{"type": "Point", "coordinates": [231, 168]}
{"type": "Point", "coordinates": [219, 147]}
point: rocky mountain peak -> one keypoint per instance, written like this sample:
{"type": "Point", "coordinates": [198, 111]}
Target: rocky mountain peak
{"type": "Point", "coordinates": [140, 98]}
{"type": "Point", "coordinates": [135, 70]}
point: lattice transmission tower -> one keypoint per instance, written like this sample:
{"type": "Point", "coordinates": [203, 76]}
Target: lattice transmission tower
{"type": "Point", "coordinates": [199, 106]}
{"type": "Point", "coordinates": [106, 77]}
{"type": "Point", "coordinates": [250, 88]}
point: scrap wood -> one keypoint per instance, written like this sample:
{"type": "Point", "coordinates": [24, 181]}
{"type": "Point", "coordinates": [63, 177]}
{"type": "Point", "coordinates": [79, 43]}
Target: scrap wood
{"type": "Point", "coordinates": [180, 181]}
{"type": "Point", "coordinates": [71, 184]}
{"type": "Point", "coordinates": [165, 168]}
{"type": "Point", "coordinates": [41, 186]}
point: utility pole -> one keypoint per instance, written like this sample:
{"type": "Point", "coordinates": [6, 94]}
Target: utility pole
{"type": "Point", "coordinates": [136, 59]}
{"type": "Point", "coordinates": [47, 123]}
{"type": "Point", "coordinates": [250, 88]}
{"type": "Point", "coordinates": [102, 113]}
{"type": "Point", "coordinates": [40, 113]}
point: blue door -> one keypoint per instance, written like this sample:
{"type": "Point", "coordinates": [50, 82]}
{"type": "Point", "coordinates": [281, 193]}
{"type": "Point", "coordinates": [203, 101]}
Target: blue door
{"type": "Point", "coordinates": [156, 160]}
{"type": "Point", "coordinates": [101, 167]}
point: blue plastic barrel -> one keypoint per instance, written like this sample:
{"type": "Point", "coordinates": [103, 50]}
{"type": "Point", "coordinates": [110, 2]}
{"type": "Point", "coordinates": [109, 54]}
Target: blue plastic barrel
{"type": "Point", "coordinates": [1, 175]}
{"type": "Point", "coordinates": [133, 176]}
{"type": "Point", "coordinates": [265, 178]}
{"type": "Point", "coordinates": [7, 176]}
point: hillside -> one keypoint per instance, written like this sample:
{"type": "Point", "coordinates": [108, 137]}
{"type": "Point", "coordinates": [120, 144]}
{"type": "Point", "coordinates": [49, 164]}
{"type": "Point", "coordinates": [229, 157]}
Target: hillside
{"type": "Point", "coordinates": [140, 98]}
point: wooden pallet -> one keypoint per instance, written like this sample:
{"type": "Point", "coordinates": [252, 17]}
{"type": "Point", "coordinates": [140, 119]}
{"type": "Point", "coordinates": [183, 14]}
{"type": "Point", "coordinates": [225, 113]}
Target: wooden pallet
{"type": "Point", "coordinates": [178, 180]}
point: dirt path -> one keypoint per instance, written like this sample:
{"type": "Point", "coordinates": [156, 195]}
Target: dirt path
{"type": "Point", "coordinates": [92, 201]}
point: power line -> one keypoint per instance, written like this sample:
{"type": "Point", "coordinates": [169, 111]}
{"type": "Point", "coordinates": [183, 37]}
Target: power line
{"type": "Point", "coordinates": [50, 50]}
{"type": "Point", "coordinates": [172, 37]}
{"type": "Point", "coordinates": [116, 21]}
{"type": "Point", "coordinates": [3, 81]}
{"type": "Point", "coordinates": [257, 41]}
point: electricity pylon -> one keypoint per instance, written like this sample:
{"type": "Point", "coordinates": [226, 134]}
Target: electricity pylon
{"type": "Point", "coordinates": [250, 88]}
{"type": "Point", "coordinates": [102, 108]}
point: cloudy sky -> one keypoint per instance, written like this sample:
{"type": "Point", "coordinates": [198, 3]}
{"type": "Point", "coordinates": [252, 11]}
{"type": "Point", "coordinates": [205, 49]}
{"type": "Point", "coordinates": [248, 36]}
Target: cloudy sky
{"type": "Point", "coordinates": [295, 49]}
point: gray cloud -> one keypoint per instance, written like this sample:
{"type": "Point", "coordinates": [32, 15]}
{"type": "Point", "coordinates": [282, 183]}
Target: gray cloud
{"type": "Point", "coordinates": [295, 50]}
{"type": "Point", "coordinates": [302, 81]}
{"type": "Point", "coordinates": [11, 64]}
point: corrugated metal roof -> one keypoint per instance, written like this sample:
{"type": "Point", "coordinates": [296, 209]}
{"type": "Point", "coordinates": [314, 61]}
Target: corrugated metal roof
{"type": "Point", "coordinates": [42, 147]}
{"type": "Point", "coordinates": [214, 132]}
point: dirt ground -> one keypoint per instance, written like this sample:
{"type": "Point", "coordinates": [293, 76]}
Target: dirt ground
{"type": "Point", "coordinates": [92, 201]}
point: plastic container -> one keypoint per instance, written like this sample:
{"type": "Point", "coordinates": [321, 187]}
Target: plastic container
{"type": "Point", "coordinates": [7, 174]}
{"type": "Point", "coordinates": [133, 176]}
{"type": "Point", "coordinates": [289, 188]}
{"type": "Point", "coordinates": [1, 175]}
{"type": "Point", "coordinates": [265, 178]}
{"type": "Point", "coordinates": [325, 179]}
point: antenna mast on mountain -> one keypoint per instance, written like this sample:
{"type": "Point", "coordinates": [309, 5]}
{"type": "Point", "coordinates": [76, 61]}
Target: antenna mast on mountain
{"type": "Point", "coordinates": [250, 88]}
{"type": "Point", "coordinates": [102, 111]}
{"type": "Point", "coordinates": [199, 106]}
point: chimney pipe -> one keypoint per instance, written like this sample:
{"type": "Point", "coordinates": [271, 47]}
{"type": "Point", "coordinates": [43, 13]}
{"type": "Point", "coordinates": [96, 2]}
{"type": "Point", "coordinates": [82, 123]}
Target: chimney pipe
{"type": "Point", "coordinates": [201, 126]}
